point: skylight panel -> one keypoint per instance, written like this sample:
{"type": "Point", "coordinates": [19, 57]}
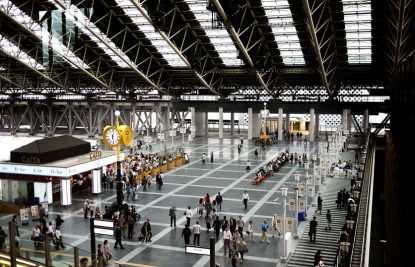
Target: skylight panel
{"type": "Point", "coordinates": [280, 19]}
{"type": "Point", "coordinates": [28, 23]}
{"type": "Point", "coordinates": [14, 51]}
{"type": "Point", "coordinates": [76, 12]}
{"type": "Point", "coordinates": [219, 38]}
{"type": "Point", "coordinates": [149, 31]}
{"type": "Point", "coordinates": [358, 27]}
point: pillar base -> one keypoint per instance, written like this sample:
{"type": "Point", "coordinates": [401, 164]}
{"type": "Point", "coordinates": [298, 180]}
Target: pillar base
{"type": "Point", "coordinates": [283, 259]}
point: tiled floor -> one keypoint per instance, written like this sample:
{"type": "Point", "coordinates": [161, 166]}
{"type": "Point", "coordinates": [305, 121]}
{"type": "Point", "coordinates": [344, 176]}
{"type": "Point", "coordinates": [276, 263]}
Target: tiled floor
{"type": "Point", "coordinates": [183, 187]}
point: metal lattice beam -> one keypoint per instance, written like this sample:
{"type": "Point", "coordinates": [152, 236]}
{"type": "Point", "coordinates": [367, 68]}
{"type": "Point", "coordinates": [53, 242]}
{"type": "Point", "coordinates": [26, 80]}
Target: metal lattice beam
{"type": "Point", "coordinates": [241, 46]}
{"type": "Point", "coordinates": [104, 39]}
{"type": "Point", "coordinates": [318, 26]}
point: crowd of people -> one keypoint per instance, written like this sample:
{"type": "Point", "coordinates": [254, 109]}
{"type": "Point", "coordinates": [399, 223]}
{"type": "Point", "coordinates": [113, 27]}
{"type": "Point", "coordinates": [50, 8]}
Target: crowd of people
{"type": "Point", "coordinates": [271, 166]}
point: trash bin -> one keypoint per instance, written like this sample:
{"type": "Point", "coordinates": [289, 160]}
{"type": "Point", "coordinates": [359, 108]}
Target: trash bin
{"type": "Point", "coordinates": [301, 216]}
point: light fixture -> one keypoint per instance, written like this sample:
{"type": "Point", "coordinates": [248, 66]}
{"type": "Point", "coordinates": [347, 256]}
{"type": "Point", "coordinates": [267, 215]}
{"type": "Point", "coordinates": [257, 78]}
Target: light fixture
{"type": "Point", "coordinates": [117, 113]}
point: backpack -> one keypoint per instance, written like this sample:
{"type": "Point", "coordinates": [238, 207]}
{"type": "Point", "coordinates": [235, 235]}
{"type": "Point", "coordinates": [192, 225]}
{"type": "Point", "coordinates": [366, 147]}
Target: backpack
{"type": "Point", "coordinates": [264, 227]}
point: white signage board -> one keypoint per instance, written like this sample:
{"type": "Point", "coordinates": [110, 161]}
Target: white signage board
{"type": "Point", "coordinates": [197, 250]}
{"type": "Point", "coordinates": [104, 223]}
{"type": "Point", "coordinates": [301, 189]}
{"type": "Point", "coordinates": [290, 224]}
{"type": "Point", "coordinates": [45, 205]}
{"type": "Point", "coordinates": [291, 204]}
{"type": "Point", "coordinates": [102, 231]}
{"type": "Point", "coordinates": [172, 133]}
{"type": "Point", "coordinates": [182, 130]}
{"type": "Point", "coordinates": [301, 205]}
{"type": "Point", "coordinates": [287, 244]}
{"type": "Point", "coordinates": [35, 212]}
{"type": "Point", "coordinates": [279, 222]}
{"type": "Point", "coordinates": [160, 136]}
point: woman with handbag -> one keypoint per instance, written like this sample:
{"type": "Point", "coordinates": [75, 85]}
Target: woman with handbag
{"type": "Point", "coordinates": [241, 247]}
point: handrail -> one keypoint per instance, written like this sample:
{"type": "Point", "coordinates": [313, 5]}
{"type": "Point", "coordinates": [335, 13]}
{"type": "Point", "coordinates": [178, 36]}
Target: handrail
{"type": "Point", "coordinates": [365, 207]}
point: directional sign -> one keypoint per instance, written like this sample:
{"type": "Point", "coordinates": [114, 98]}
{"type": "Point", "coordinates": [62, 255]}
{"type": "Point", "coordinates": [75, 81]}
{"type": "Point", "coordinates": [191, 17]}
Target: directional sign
{"type": "Point", "coordinates": [160, 136]}
{"type": "Point", "coordinates": [172, 133]}
{"type": "Point", "coordinates": [182, 130]}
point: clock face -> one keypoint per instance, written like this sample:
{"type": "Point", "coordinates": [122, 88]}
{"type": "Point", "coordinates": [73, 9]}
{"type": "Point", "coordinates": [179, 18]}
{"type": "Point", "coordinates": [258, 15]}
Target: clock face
{"type": "Point", "coordinates": [112, 136]}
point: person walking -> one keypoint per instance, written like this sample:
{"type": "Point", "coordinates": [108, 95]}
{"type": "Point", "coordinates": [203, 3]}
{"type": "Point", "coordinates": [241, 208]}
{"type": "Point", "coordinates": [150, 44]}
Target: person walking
{"type": "Point", "coordinates": [242, 140]}
{"type": "Point", "coordinates": [107, 251]}
{"type": "Point", "coordinates": [339, 199]}
{"type": "Point", "coordinates": [130, 222]}
{"type": "Point", "coordinates": [58, 221]}
{"type": "Point", "coordinates": [203, 158]}
{"type": "Point", "coordinates": [313, 230]}
{"type": "Point", "coordinates": [241, 247]}
{"type": "Point", "coordinates": [274, 225]}
{"type": "Point", "coordinates": [328, 217]}
{"type": "Point", "coordinates": [16, 225]}
{"type": "Point", "coordinates": [58, 238]}
{"type": "Point", "coordinates": [172, 214]}
{"type": "Point", "coordinates": [219, 201]}
{"type": "Point", "coordinates": [264, 229]}
{"type": "Point", "coordinates": [227, 236]}
{"type": "Point", "coordinates": [118, 237]}
{"type": "Point", "coordinates": [245, 198]}
{"type": "Point", "coordinates": [188, 213]}
{"type": "Point", "coordinates": [91, 208]}
{"type": "Point", "coordinates": [250, 231]}
{"type": "Point", "coordinates": [211, 156]}
{"type": "Point", "coordinates": [216, 227]}
{"type": "Point", "coordinates": [86, 204]}
{"type": "Point", "coordinates": [186, 233]}
{"type": "Point", "coordinates": [146, 231]}
{"type": "Point", "coordinates": [248, 166]}
{"type": "Point", "coordinates": [256, 153]}
{"type": "Point", "coordinates": [319, 205]}
{"type": "Point", "coordinates": [208, 220]}
{"type": "Point", "coordinates": [240, 224]}
{"type": "Point", "coordinates": [196, 234]}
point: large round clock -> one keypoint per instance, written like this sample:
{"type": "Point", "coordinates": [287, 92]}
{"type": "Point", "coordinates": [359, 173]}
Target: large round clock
{"type": "Point", "coordinates": [111, 136]}
{"type": "Point", "coordinates": [127, 135]}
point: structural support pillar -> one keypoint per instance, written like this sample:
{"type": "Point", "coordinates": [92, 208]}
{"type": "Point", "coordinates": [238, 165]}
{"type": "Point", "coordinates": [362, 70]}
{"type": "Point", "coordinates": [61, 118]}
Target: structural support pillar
{"type": "Point", "coordinates": [192, 120]}
{"type": "Point", "coordinates": [232, 123]}
{"type": "Point", "coordinates": [220, 123]}
{"type": "Point", "coordinates": [311, 126]}
{"type": "Point", "coordinates": [250, 124]}
{"type": "Point", "coordinates": [66, 192]}
{"type": "Point", "coordinates": [287, 122]}
{"type": "Point", "coordinates": [349, 121]}
{"type": "Point", "coordinates": [166, 121]}
{"type": "Point", "coordinates": [256, 125]}
{"type": "Point", "coordinates": [96, 181]}
{"type": "Point", "coordinates": [317, 128]}
{"type": "Point", "coordinates": [344, 119]}
{"type": "Point", "coordinates": [201, 123]}
{"type": "Point", "coordinates": [280, 124]}
{"type": "Point", "coordinates": [365, 121]}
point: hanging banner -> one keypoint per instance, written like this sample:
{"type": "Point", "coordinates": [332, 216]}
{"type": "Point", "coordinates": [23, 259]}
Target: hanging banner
{"type": "Point", "coordinates": [310, 190]}
{"type": "Point", "coordinates": [35, 212]}
{"type": "Point", "coordinates": [45, 205]}
{"type": "Point", "coordinates": [318, 180]}
{"type": "Point", "coordinates": [291, 204]}
{"type": "Point", "coordinates": [279, 222]}
{"type": "Point", "coordinates": [290, 224]}
{"type": "Point", "coordinates": [301, 189]}
{"type": "Point", "coordinates": [301, 205]}
{"type": "Point", "coordinates": [24, 216]}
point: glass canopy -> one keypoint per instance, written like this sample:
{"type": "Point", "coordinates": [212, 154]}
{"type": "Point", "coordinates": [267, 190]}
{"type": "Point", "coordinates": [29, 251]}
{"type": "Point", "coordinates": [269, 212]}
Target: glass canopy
{"type": "Point", "coordinates": [358, 25]}
{"type": "Point", "coordinates": [280, 19]}
{"type": "Point", "coordinates": [219, 38]}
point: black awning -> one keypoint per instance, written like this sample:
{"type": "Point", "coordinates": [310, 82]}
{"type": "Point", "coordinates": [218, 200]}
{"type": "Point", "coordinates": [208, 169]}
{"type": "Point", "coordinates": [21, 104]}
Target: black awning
{"type": "Point", "coordinates": [50, 149]}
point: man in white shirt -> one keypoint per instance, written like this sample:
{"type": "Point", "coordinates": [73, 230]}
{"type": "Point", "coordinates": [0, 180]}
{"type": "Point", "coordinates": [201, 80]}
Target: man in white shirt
{"type": "Point", "coordinates": [250, 231]}
{"type": "Point", "coordinates": [245, 198]}
{"type": "Point", "coordinates": [227, 236]}
{"type": "Point", "coordinates": [196, 234]}
{"type": "Point", "coordinates": [188, 213]}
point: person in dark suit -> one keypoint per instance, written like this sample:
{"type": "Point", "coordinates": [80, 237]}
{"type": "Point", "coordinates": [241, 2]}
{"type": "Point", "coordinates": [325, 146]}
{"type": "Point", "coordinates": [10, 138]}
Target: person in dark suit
{"type": "Point", "coordinates": [118, 237]}
{"type": "Point", "coordinates": [313, 230]}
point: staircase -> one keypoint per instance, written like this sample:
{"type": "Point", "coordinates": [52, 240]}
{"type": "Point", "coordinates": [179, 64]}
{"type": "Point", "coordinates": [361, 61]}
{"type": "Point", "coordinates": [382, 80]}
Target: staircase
{"type": "Point", "coordinates": [326, 241]}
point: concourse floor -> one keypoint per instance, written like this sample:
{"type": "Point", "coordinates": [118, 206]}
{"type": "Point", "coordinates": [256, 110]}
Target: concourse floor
{"type": "Point", "coordinates": [183, 186]}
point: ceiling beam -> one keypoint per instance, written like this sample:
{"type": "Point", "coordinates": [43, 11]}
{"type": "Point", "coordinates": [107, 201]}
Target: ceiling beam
{"type": "Point", "coordinates": [313, 28]}
{"type": "Point", "coordinates": [143, 12]}
{"type": "Point", "coordinates": [241, 46]}
{"type": "Point", "coordinates": [104, 39]}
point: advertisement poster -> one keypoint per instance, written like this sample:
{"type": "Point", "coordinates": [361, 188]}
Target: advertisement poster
{"type": "Point", "coordinates": [290, 224]}
{"type": "Point", "coordinates": [279, 222]}
{"type": "Point", "coordinates": [301, 205]}
{"type": "Point", "coordinates": [45, 205]}
{"type": "Point", "coordinates": [291, 204]}
{"type": "Point", "coordinates": [35, 212]}
{"type": "Point", "coordinates": [24, 216]}
{"type": "Point", "coordinates": [301, 191]}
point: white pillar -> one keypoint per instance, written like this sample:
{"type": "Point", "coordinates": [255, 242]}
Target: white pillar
{"type": "Point", "coordinates": [311, 126]}
{"type": "Point", "coordinates": [166, 121]}
{"type": "Point", "coordinates": [96, 181]}
{"type": "Point", "coordinates": [344, 119]}
{"type": "Point", "coordinates": [192, 120]}
{"type": "Point", "coordinates": [250, 124]}
{"type": "Point", "coordinates": [220, 123]}
{"type": "Point", "coordinates": [232, 123]}
{"type": "Point", "coordinates": [201, 123]}
{"type": "Point", "coordinates": [280, 124]}
{"type": "Point", "coordinates": [256, 124]}
{"type": "Point", "coordinates": [66, 192]}
{"type": "Point", "coordinates": [349, 121]}
{"type": "Point", "coordinates": [317, 128]}
{"type": "Point", "coordinates": [287, 122]}
{"type": "Point", "coordinates": [365, 122]}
